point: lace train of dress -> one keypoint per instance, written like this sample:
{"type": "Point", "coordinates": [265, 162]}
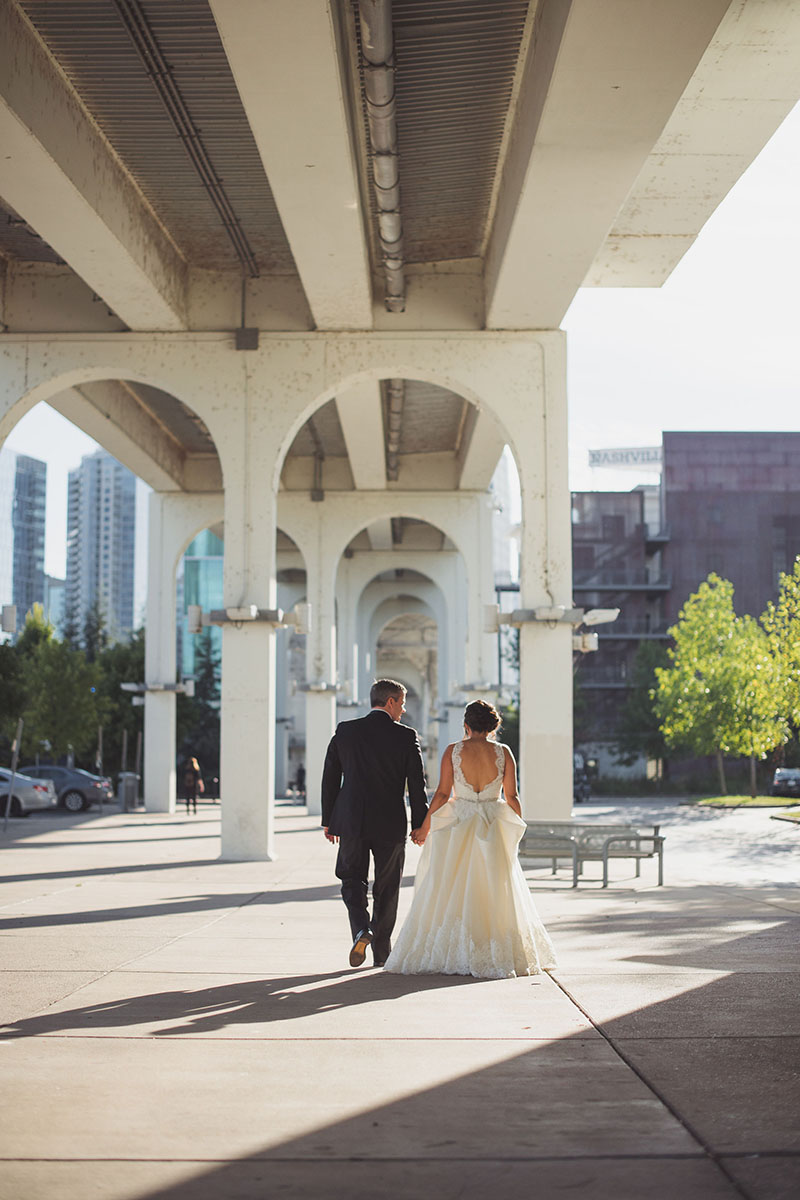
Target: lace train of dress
{"type": "Point", "coordinates": [472, 912]}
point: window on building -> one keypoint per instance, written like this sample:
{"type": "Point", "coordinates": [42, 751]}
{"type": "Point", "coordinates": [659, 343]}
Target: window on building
{"type": "Point", "coordinates": [613, 527]}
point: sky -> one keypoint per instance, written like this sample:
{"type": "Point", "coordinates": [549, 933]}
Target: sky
{"type": "Point", "coordinates": [714, 348]}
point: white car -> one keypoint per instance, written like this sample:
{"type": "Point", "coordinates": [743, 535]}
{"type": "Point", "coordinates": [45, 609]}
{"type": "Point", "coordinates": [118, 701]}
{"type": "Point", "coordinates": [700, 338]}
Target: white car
{"type": "Point", "coordinates": [27, 795]}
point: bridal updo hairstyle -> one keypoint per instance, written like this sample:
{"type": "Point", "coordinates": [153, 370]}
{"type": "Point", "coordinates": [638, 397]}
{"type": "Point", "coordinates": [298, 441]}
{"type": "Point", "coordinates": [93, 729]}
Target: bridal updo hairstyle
{"type": "Point", "coordinates": [481, 717]}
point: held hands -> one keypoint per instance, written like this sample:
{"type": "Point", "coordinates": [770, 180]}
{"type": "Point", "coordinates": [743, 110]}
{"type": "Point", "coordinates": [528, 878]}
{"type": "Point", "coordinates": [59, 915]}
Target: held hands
{"type": "Point", "coordinates": [418, 835]}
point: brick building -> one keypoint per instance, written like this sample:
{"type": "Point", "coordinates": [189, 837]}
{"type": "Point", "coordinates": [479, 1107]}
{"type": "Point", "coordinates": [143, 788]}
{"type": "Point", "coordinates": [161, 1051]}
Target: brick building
{"type": "Point", "coordinates": [728, 503]}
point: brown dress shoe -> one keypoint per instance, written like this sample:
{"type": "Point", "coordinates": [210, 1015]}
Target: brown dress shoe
{"type": "Point", "coordinates": [359, 950]}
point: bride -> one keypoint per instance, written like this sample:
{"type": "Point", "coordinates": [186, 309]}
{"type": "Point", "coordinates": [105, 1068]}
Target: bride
{"type": "Point", "coordinates": [472, 912]}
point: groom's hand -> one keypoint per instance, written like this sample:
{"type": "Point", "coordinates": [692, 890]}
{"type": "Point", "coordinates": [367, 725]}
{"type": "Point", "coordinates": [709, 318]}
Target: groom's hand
{"type": "Point", "coordinates": [330, 836]}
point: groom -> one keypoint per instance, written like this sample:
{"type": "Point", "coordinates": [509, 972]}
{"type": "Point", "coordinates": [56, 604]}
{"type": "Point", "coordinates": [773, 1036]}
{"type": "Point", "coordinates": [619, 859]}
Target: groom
{"type": "Point", "coordinates": [366, 814]}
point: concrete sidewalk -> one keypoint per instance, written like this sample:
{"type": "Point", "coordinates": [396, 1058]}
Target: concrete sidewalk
{"type": "Point", "coordinates": [178, 1027]}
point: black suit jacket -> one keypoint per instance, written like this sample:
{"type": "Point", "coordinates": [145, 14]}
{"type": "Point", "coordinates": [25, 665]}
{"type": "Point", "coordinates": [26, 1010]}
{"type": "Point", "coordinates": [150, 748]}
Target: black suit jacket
{"type": "Point", "coordinates": [377, 757]}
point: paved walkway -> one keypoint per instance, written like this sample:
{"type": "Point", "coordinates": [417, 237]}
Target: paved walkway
{"type": "Point", "coordinates": [180, 1028]}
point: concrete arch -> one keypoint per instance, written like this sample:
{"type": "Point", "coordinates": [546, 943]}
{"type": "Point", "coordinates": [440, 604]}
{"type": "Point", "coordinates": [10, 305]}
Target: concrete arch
{"type": "Point", "coordinates": [407, 371]}
{"type": "Point", "coordinates": [369, 607]}
{"type": "Point", "coordinates": [59, 379]}
{"type": "Point", "coordinates": [377, 611]}
{"type": "Point", "coordinates": [435, 570]}
{"type": "Point", "coordinates": [212, 503]}
{"type": "Point", "coordinates": [347, 514]}
{"type": "Point", "coordinates": [389, 610]}
{"type": "Point", "coordinates": [128, 445]}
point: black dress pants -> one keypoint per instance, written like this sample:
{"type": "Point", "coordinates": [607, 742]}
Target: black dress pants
{"type": "Point", "coordinates": [352, 867]}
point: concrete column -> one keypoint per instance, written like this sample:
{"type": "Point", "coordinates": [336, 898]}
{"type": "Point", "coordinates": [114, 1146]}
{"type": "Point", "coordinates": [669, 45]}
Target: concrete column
{"type": "Point", "coordinates": [288, 595]}
{"type": "Point", "coordinates": [248, 742]}
{"type": "Point", "coordinates": [320, 653]}
{"type": "Point", "coordinates": [347, 647]}
{"type": "Point", "coordinates": [546, 579]}
{"type": "Point", "coordinates": [174, 518]}
{"type": "Point", "coordinates": [247, 713]}
{"type": "Point", "coordinates": [159, 660]}
{"type": "Point", "coordinates": [459, 666]}
{"type": "Point", "coordinates": [281, 712]}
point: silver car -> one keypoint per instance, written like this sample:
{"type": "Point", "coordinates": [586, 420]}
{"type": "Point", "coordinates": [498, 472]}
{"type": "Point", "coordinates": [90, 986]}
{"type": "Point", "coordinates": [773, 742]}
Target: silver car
{"type": "Point", "coordinates": [27, 795]}
{"type": "Point", "coordinates": [76, 789]}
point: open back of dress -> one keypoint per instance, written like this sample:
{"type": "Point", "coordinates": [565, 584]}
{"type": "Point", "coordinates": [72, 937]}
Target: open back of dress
{"type": "Point", "coordinates": [472, 912]}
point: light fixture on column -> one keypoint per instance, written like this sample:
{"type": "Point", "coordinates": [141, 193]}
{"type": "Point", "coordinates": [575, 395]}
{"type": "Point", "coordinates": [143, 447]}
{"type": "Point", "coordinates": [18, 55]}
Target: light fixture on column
{"type": "Point", "coordinates": [298, 618]}
{"type": "Point", "coordinates": [553, 615]}
{"type": "Point", "coordinates": [582, 642]}
{"type": "Point", "coordinates": [600, 616]}
{"type": "Point", "coordinates": [185, 688]}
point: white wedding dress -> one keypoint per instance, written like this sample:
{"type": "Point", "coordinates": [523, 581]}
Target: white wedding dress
{"type": "Point", "coordinates": [472, 912]}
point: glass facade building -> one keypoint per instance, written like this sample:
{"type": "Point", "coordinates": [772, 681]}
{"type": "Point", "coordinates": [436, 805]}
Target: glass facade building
{"type": "Point", "coordinates": [23, 494]}
{"type": "Point", "coordinates": [101, 534]}
{"type": "Point", "coordinates": [200, 582]}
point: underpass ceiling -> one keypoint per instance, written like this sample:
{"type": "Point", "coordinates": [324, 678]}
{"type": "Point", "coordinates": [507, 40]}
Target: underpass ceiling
{"type": "Point", "coordinates": [321, 433]}
{"type": "Point", "coordinates": [408, 533]}
{"type": "Point", "coordinates": [20, 242]}
{"type": "Point", "coordinates": [92, 47]}
{"type": "Point", "coordinates": [456, 66]}
{"type": "Point", "coordinates": [455, 81]}
{"type": "Point", "coordinates": [180, 422]}
{"type": "Point", "coordinates": [462, 69]}
{"type": "Point", "coordinates": [434, 421]}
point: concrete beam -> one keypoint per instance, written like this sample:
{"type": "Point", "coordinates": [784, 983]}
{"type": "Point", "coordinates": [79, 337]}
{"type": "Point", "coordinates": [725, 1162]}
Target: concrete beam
{"type": "Point", "coordinates": [380, 534]}
{"type": "Point", "coordinates": [361, 419]}
{"type": "Point", "coordinates": [600, 83]}
{"type": "Point", "coordinates": [112, 414]}
{"type": "Point", "coordinates": [745, 85]}
{"type": "Point", "coordinates": [481, 450]}
{"type": "Point", "coordinates": [285, 59]}
{"type": "Point", "coordinates": [58, 171]}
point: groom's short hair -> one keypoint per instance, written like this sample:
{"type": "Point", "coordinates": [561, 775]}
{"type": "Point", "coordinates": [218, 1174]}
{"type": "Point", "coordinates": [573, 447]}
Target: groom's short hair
{"type": "Point", "coordinates": [383, 690]}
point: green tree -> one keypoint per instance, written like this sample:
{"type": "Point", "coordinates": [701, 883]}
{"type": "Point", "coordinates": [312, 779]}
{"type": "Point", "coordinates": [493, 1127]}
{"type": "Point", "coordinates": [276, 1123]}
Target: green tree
{"type": "Point", "coordinates": [12, 696]}
{"type": "Point", "coordinates": [693, 695]}
{"type": "Point", "coordinates": [37, 629]}
{"type": "Point", "coordinates": [198, 718]}
{"type": "Point", "coordinates": [718, 695]}
{"type": "Point", "coordinates": [781, 623]}
{"type": "Point", "coordinates": [95, 632]}
{"type": "Point", "coordinates": [759, 724]}
{"type": "Point", "coordinates": [121, 663]}
{"type": "Point", "coordinates": [63, 705]}
{"type": "Point", "coordinates": [639, 728]}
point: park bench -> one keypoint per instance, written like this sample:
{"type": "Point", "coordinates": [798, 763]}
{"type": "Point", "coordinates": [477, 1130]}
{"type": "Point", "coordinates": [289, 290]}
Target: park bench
{"type": "Point", "coordinates": [587, 841]}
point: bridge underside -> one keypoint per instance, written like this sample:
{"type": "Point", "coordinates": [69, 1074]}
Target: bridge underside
{"type": "Point", "coordinates": [304, 265]}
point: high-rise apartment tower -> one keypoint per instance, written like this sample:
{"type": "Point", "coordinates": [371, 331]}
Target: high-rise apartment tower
{"type": "Point", "coordinates": [23, 486]}
{"type": "Point", "coordinates": [101, 532]}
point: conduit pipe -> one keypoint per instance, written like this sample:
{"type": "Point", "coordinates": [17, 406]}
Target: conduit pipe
{"type": "Point", "coordinates": [394, 421]}
{"type": "Point", "coordinates": [377, 47]}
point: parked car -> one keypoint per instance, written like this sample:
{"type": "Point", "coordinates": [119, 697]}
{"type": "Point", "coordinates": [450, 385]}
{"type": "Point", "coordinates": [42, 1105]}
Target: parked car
{"type": "Point", "coordinates": [27, 795]}
{"type": "Point", "coordinates": [786, 782]}
{"type": "Point", "coordinates": [76, 789]}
